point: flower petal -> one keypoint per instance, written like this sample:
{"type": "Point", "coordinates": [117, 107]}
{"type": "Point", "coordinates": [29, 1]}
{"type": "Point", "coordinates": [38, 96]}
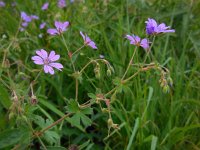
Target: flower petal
{"type": "Point", "coordinates": [144, 43]}
{"type": "Point", "coordinates": [58, 25]}
{"type": "Point", "coordinates": [82, 35]}
{"type": "Point", "coordinates": [65, 26]}
{"type": "Point", "coordinates": [51, 71]}
{"type": "Point", "coordinates": [42, 25]}
{"type": "Point", "coordinates": [48, 69]}
{"type": "Point", "coordinates": [25, 17]}
{"type": "Point", "coordinates": [36, 58]}
{"type": "Point", "coordinates": [42, 53]}
{"type": "Point", "coordinates": [129, 37]}
{"type": "Point", "coordinates": [45, 6]}
{"type": "Point", "coordinates": [52, 31]}
{"type": "Point", "coordinates": [53, 56]}
{"type": "Point", "coordinates": [92, 44]}
{"type": "Point", "coordinates": [58, 66]}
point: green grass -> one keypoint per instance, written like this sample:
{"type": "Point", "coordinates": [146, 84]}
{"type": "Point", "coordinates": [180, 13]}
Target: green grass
{"type": "Point", "coordinates": [147, 117]}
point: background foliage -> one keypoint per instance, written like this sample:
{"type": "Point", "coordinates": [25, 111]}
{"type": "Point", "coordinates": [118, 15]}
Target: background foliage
{"type": "Point", "coordinates": [148, 118]}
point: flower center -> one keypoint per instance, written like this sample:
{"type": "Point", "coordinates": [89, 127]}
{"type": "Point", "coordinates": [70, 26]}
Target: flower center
{"type": "Point", "coordinates": [46, 61]}
{"type": "Point", "coordinates": [60, 30]}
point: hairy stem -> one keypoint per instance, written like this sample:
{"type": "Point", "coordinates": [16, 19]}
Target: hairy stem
{"type": "Point", "coordinates": [130, 62]}
{"type": "Point", "coordinates": [68, 52]}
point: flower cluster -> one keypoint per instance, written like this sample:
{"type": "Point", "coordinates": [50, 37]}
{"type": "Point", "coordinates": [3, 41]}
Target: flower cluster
{"type": "Point", "coordinates": [152, 28]}
{"type": "Point", "coordinates": [49, 61]}
{"type": "Point", "coordinates": [26, 19]}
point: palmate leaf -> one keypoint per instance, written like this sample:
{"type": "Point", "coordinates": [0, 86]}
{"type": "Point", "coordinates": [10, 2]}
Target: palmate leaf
{"type": "Point", "coordinates": [13, 136]}
{"type": "Point", "coordinates": [79, 118]}
{"type": "Point", "coordinates": [52, 137]}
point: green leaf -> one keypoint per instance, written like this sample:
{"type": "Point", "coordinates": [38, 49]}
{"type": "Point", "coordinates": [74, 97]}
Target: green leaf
{"type": "Point", "coordinates": [50, 136]}
{"type": "Point", "coordinates": [73, 106]}
{"type": "Point", "coordinates": [154, 142]}
{"type": "Point", "coordinates": [76, 119]}
{"type": "Point", "coordinates": [117, 81]}
{"type": "Point", "coordinates": [4, 97]}
{"type": "Point", "coordinates": [82, 146]}
{"type": "Point", "coordinates": [85, 120]}
{"type": "Point", "coordinates": [135, 128]}
{"type": "Point", "coordinates": [91, 95]}
{"type": "Point", "coordinates": [87, 111]}
{"type": "Point", "coordinates": [10, 137]}
{"type": "Point", "coordinates": [58, 112]}
{"type": "Point", "coordinates": [79, 118]}
{"type": "Point", "coordinates": [55, 148]}
{"type": "Point", "coordinates": [51, 107]}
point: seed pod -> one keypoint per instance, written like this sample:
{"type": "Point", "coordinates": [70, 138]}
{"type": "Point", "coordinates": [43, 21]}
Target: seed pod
{"type": "Point", "coordinates": [34, 100]}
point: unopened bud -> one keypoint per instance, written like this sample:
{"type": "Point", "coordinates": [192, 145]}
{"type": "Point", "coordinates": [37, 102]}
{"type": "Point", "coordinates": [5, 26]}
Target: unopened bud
{"type": "Point", "coordinates": [97, 72]}
{"type": "Point", "coordinates": [104, 110]}
{"type": "Point", "coordinates": [170, 81]}
{"type": "Point", "coordinates": [109, 73]}
{"type": "Point", "coordinates": [11, 115]}
{"type": "Point", "coordinates": [110, 123]}
{"type": "Point", "coordinates": [166, 89]}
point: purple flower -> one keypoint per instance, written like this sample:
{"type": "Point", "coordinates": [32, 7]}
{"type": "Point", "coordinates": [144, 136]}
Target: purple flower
{"type": "Point", "coordinates": [60, 28]}
{"type": "Point", "coordinates": [2, 4]}
{"type": "Point", "coordinates": [45, 6]}
{"type": "Point", "coordinates": [62, 3]}
{"type": "Point", "coordinates": [24, 24]}
{"type": "Point", "coordinates": [88, 41]}
{"type": "Point", "coordinates": [25, 17]}
{"type": "Point", "coordinates": [153, 28]}
{"type": "Point", "coordinates": [21, 29]}
{"type": "Point", "coordinates": [48, 61]}
{"type": "Point", "coordinates": [42, 25]}
{"type": "Point", "coordinates": [135, 40]}
{"type": "Point", "coordinates": [34, 17]}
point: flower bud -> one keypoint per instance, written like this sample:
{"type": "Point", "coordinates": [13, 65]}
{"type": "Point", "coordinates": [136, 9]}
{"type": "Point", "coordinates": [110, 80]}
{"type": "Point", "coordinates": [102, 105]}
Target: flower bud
{"type": "Point", "coordinates": [110, 123]}
{"type": "Point", "coordinates": [97, 72]}
{"type": "Point", "coordinates": [104, 110]}
{"type": "Point", "coordinates": [109, 73]}
{"type": "Point", "coordinates": [166, 89]}
{"type": "Point", "coordinates": [170, 81]}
